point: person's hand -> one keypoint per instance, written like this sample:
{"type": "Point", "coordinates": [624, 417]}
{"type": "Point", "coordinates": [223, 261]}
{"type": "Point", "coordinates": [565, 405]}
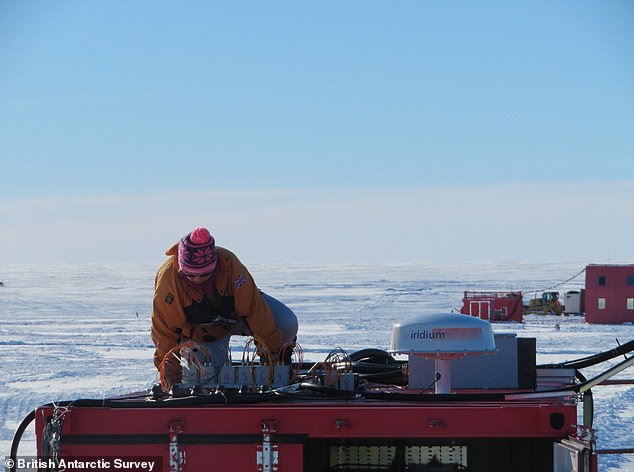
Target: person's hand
{"type": "Point", "coordinates": [285, 354]}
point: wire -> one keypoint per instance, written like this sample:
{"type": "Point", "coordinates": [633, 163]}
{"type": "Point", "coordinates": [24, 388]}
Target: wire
{"type": "Point", "coordinates": [186, 354]}
{"type": "Point", "coordinates": [336, 364]}
{"type": "Point", "coordinates": [297, 352]}
{"type": "Point", "coordinates": [266, 357]}
{"type": "Point", "coordinates": [559, 284]}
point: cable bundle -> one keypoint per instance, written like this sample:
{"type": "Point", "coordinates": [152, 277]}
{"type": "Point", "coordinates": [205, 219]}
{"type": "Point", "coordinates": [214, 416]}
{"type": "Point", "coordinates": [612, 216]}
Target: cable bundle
{"type": "Point", "coordinates": [182, 356]}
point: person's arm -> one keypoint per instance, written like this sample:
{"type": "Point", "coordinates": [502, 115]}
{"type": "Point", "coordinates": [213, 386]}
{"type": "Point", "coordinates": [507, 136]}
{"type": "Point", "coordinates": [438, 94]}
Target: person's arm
{"type": "Point", "coordinates": [167, 314]}
{"type": "Point", "coordinates": [250, 303]}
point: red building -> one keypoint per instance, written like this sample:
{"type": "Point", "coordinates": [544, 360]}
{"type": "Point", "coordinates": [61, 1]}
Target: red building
{"type": "Point", "coordinates": [493, 306]}
{"type": "Point", "coordinates": [609, 293]}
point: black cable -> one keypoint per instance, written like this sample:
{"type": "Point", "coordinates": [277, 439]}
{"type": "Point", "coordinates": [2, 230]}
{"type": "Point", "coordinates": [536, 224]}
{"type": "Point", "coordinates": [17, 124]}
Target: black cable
{"type": "Point", "coordinates": [594, 359]}
{"type": "Point", "coordinates": [168, 402]}
{"type": "Point", "coordinates": [374, 356]}
{"type": "Point", "coordinates": [378, 366]}
{"type": "Point", "coordinates": [436, 397]}
{"type": "Point", "coordinates": [390, 378]}
{"type": "Point", "coordinates": [214, 398]}
{"type": "Point", "coordinates": [438, 377]}
{"type": "Point", "coordinates": [17, 437]}
{"type": "Point", "coordinates": [327, 390]}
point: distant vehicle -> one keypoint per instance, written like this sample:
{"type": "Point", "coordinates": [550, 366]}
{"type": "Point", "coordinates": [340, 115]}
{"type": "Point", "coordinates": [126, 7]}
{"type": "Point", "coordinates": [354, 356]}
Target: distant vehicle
{"type": "Point", "coordinates": [547, 304]}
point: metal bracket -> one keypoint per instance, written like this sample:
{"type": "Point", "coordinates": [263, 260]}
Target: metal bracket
{"type": "Point", "coordinates": [436, 423]}
{"type": "Point", "coordinates": [177, 457]}
{"type": "Point", "coordinates": [585, 434]}
{"type": "Point", "coordinates": [52, 433]}
{"type": "Point", "coordinates": [267, 456]}
{"type": "Point", "coordinates": [343, 424]}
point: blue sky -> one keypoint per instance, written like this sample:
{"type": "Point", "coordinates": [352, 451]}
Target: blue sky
{"type": "Point", "coordinates": [283, 125]}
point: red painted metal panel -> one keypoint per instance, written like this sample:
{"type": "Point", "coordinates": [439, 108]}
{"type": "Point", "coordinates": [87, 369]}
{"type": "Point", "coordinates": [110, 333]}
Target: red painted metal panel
{"type": "Point", "coordinates": [231, 437]}
{"type": "Point", "coordinates": [429, 420]}
{"type": "Point", "coordinates": [611, 284]}
{"type": "Point", "coordinates": [229, 457]}
{"type": "Point", "coordinates": [493, 306]}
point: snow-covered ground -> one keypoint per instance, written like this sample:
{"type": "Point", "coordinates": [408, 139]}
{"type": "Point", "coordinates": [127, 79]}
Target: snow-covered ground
{"type": "Point", "coordinates": [82, 331]}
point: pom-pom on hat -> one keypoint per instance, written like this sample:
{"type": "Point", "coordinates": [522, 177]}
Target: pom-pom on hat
{"type": "Point", "coordinates": [197, 253]}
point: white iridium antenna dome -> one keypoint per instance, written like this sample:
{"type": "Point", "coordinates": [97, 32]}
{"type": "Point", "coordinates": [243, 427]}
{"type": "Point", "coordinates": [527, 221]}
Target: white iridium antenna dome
{"type": "Point", "coordinates": [442, 337]}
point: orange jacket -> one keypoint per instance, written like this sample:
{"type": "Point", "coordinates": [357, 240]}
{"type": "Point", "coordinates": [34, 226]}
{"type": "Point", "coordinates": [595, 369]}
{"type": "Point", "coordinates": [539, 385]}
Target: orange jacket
{"type": "Point", "coordinates": [181, 312]}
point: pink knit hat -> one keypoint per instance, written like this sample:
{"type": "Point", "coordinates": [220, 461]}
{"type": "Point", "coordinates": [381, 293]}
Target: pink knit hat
{"type": "Point", "coordinates": [197, 253]}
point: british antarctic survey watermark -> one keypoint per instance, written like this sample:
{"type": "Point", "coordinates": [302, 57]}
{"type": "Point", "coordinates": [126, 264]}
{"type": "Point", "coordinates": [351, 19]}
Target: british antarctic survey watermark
{"type": "Point", "coordinates": [85, 464]}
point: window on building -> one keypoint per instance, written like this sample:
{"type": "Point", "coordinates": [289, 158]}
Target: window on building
{"type": "Point", "coordinates": [630, 280]}
{"type": "Point", "coordinates": [630, 303]}
{"type": "Point", "coordinates": [601, 303]}
{"type": "Point", "coordinates": [602, 280]}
